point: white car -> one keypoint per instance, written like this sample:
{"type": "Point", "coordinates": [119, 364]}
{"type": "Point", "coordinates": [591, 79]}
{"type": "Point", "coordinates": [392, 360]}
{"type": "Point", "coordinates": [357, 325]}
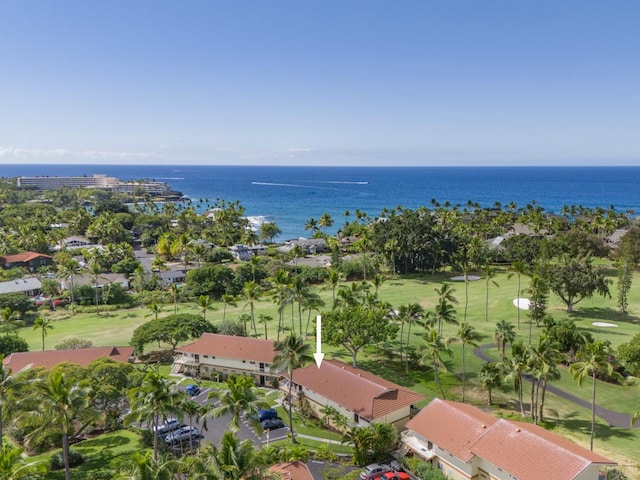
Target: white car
{"type": "Point", "coordinates": [182, 434]}
{"type": "Point", "coordinates": [169, 425]}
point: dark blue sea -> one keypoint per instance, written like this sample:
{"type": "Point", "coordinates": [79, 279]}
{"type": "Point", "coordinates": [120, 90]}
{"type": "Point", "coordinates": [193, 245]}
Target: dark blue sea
{"type": "Point", "coordinates": [290, 196]}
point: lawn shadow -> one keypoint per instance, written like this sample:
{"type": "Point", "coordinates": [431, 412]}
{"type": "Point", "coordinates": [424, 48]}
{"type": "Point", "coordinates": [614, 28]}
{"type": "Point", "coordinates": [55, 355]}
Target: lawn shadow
{"type": "Point", "coordinates": [392, 371]}
{"type": "Point", "coordinates": [105, 441]}
{"type": "Point", "coordinates": [607, 314]}
{"type": "Point", "coordinates": [582, 426]}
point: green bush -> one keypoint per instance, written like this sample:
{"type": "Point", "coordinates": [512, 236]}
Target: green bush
{"type": "Point", "coordinates": [103, 475]}
{"type": "Point", "coordinates": [12, 343]}
{"type": "Point", "coordinates": [75, 459]}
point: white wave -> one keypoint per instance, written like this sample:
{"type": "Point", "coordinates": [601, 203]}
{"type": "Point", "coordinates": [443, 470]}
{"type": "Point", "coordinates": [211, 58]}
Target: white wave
{"type": "Point", "coordinates": [341, 182]}
{"type": "Point", "coordinates": [270, 184]}
{"type": "Point", "coordinates": [256, 221]}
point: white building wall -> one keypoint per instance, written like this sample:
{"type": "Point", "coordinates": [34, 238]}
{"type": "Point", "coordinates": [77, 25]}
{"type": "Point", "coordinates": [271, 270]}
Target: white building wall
{"type": "Point", "coordinates": [220, 364]}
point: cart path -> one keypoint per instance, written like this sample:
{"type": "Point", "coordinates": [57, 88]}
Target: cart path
{"type": "Point", "coordinates": [614, 419]}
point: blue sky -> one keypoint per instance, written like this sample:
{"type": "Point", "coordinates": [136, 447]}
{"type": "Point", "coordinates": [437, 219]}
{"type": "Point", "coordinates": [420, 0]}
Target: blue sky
{"type": "Point", "coordinates": [336, 82]}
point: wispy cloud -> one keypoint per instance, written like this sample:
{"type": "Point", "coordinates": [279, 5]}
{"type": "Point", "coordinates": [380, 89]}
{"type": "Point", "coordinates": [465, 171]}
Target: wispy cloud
{"type": "Point", "coordinates": [62, 153]}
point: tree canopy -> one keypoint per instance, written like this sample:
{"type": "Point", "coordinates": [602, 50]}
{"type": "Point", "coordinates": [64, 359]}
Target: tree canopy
{"type": "Point", "coordinates": [171, 329]}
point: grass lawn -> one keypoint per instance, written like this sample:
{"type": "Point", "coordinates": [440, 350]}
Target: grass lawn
{"type": "Point", "coordinates": [100, 453]}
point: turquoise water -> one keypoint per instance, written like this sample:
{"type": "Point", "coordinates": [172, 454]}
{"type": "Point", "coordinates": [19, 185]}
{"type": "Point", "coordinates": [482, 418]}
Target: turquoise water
{"type": "Point", "coordinates": [290, 196]}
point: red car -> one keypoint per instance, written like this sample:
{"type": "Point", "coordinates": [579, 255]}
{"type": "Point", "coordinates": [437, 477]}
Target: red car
{"type": "Point", "coordinates": [393, 476]}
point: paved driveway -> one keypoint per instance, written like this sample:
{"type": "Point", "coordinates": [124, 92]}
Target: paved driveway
{"type": "Point", "coordinates": [217, 426]}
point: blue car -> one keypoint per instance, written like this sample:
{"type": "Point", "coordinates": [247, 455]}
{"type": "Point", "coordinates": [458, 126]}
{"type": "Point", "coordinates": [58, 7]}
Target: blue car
{"type": "Point", "coordinates": [192, 389]}
{"type": "Point", "coordinates": [267, 414]}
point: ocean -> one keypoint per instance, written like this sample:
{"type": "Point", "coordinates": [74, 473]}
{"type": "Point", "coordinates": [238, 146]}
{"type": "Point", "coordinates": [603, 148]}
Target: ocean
{"type": "Point", "coordinates": [290, 196]}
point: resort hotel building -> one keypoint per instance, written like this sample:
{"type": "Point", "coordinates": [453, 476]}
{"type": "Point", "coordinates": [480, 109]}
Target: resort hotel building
{"type": "Point", "coordinates": [94, 181]}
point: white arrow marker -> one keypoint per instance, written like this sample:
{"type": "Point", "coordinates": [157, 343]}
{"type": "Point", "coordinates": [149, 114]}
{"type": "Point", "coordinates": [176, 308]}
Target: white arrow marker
{"type": "Point", "coordinates": [319, 356]}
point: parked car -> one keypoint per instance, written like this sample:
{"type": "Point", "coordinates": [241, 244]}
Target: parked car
{"type": "Point", "coordinates": [373, 471]}
{"type": "Point", "coordinates": [267, 414]}
{"type": "Point", "coordinates": [192, 389]}
{"type": "Point", "coordinates": [182, 434]}
{"type": "Point", "coordinates": [169, 425]}
{"type": "Point", "coordinates": [272, 424]}
{"type": "Point", "coordinates": [393, 475]}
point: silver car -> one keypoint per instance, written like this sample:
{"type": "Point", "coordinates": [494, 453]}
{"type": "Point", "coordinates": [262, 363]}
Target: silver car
{"type": "Point", "coordinates": [182, 434]}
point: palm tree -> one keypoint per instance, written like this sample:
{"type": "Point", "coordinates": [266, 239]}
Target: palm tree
{"type": "Point", "coordinates": [593, 360]}
{"type": "Point", "coordinates": [505, 333]}
{"type": "Point", "coordinates": [490, 378]}
{"type": "Point", "coordinates": [240, 400]}
{"type": "Point", "coordinates": [264, 319]}
{"type": "Point", "coordinates": [311, 224]}
{"type": "Point", "coordinates": [361, 439]}
{"type": "Point", "coordinates": [280, 289]}
{"type": "Point", "coordinates": [515, 368]}
{"type": "Point", "coordinates": [204, 304]}
{"type": "Point", "coordinates": [467, 335]}
{"type": "Point", "coordinates": [60, 402]}
{"type": "Point", "coordinates": [42, 324]}
{"type": "Point", "coordinates": [142, 466]}
{"type": "Point", "coordinates": [155, 309]}
{"type": "Point", "coordinates": [227, 301]}
{"type": "Point", "coordinates": [10, 320]}
{"type": "Point", "coordinates": [412, 313]}
{"type": "Point", "coordinates": [333, 277]}
{"type": "Point", "coordinates": [299, 294]}
{"type": "Point", "coordinates": [325, 221]}
{"type": "Point", "coordinates": [138, 278]}
{"type": "Point", "coordinates": [378, 279]}
{"type": "Point", "coordinates": [234, 459]}
{"type": "Point", "coordinates": [432, 354]}
{"type": "Point", "coordinates": [94, 272]}
{"type": "Point", "coordinates": [489, 273]}
{"type": "Point", "coordinates": [7, 380]}
{"type": "Point", "coordinates": [13, 465]}
{"type": "Point", "coordinates": [152, 401]}
{"type": "Point", "coordinates": [544, 359]}
{"type": "Point", "coordinates": [252, 292]}
{"type": "Point", "coordinates": [174, 290]}
{"type": "Point", "coordinates": [292, 353]}
{"type": "Point", "coordinates": [444, 313]}
{"type": "Point", "coordinates": [518, 268]}
{"type": "Point", "coordinates": [68, 270]}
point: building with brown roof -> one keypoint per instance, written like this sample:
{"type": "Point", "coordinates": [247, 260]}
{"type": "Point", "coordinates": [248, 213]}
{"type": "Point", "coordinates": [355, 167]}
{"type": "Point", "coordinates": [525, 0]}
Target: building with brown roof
{"type": "Point", "coordinates": [31, 261]}
{"type": "Point", "coordinates": [465, 442]}
{"type": "Point", "coordinates": [80, 356]}
{"type": "Point", "coordinates": [359, 395]}
{"type": "Point", "coordinates": [292, 471]}
{"type": "Point", "coordinates": [214, 355]}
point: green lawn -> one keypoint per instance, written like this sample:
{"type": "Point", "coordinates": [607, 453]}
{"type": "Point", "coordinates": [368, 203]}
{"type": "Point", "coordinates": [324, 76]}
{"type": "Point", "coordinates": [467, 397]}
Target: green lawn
{"type": "Point", "coordinates": [100, 453]}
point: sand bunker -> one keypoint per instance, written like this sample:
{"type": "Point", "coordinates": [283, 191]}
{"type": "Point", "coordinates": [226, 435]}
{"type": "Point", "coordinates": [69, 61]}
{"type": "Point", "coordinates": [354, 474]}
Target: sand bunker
{"type": "Point", "coordinates": [460, 278]}
{"type": "Point", "coordinates": [522, 303]}
{"type": "Point", "coordinates": [603, 324]}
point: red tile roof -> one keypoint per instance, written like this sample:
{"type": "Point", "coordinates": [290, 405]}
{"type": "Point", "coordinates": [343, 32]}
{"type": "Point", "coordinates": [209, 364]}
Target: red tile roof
{"type": "Point", "coordinates": [361, 392]}
{"type": "Point", "coordinates": [50, 358]}
{"type": "Point", "coordinates": [454, 427]}
{"type": "Point", "coordinates": [529, 452]}
{"type": "Point", "coordinates": [23, 257]}
{"type": "Point", "coordinates": [292, 471]}
{"type": "Point", "coordinates": [523, 450]}
{"type": "Point", "coordinates": [229, 346]}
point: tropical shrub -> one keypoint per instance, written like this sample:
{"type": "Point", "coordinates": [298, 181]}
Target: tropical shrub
{"type": "Point", "coordinates": [75, 459]}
